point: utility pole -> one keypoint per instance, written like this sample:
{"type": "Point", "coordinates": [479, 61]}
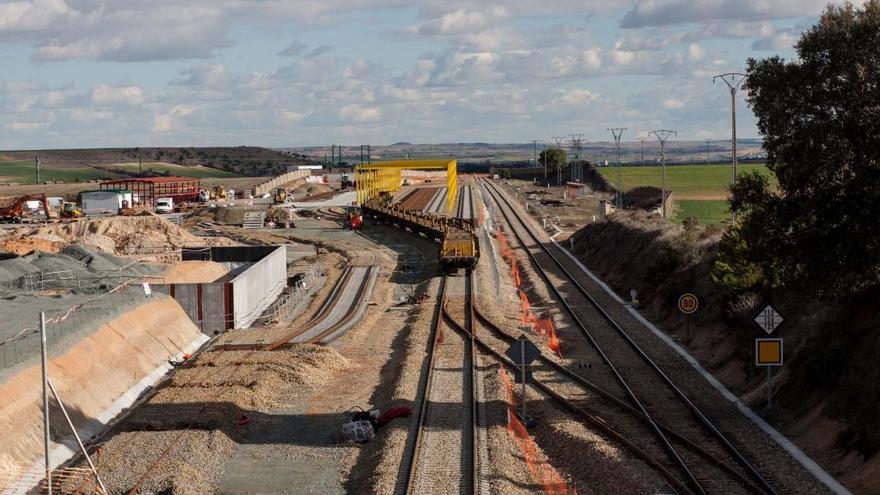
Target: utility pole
{"type": "Point", "coordinates": [37, 164]}
{"type": "Point", "coordinates": [45, 370]}
{"type": "Point", "coordinates": [535, 148]}
{"type": "Point", "coordinates": [617, 132]}
{"type": "Point", "coordinates": [545, 164]}
{"type": "Point", "coordinates": [559, 140]}
{"type": "Point", "coordinates": [643, 150]}
{"type": "Point", "coordinates": [576, 140]}
{"type": "Point", "coordinates": [662, 135]}
{"type": "Point", "coordinates": [733, 80]}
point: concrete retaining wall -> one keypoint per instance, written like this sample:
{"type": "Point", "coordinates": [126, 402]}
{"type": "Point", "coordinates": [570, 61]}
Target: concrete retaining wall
{"type": "Point", "coordinates": [258, 275]}
{"type": "Point", "coordinates": [257, 287]}
{"type": "Point", "coordinates": [280, 180]}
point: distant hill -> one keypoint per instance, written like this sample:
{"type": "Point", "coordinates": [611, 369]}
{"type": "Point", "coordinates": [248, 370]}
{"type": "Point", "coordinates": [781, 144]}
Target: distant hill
{"type": "Point", "coordinates": [240, 160]}
{"type": "Point", "coordinates": [523, 153]}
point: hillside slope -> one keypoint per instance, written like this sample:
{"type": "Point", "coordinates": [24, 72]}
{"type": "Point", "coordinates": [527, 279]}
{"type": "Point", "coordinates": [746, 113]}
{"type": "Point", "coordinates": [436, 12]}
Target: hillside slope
{"type": "Point", "coordinates": [827, 392]}
{"type": "Point", "coordinates": [241, 160]}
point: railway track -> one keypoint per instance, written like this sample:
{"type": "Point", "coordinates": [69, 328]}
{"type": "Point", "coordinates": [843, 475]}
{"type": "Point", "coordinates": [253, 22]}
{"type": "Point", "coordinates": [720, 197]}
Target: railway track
{"type": "Point", "coordinates": [339, 308]}
{"type": "Point", "coordinates": [629, 373]}
{"type": "Point", "coordinates": [441, 454]}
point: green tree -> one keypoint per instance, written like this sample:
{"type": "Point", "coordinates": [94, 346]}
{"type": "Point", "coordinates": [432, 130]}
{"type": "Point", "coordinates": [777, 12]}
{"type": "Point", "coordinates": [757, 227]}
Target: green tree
{"type": "Point", "coordinates": [820, 122]}
{"type": "Point", "coordinates": [554, 159]}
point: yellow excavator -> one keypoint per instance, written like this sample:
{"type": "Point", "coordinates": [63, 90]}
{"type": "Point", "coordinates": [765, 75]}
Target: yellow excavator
{"type": "Point", "coordinates": [219, 192]}
{"type": "Point", "coordinates": [70, 210]}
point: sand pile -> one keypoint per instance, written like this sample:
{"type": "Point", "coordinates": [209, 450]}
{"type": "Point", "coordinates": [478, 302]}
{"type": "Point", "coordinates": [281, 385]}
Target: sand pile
{"type": "Point", "coordinates": [311, 189]}
{"type": "Point", "coordinates": [191, 272]}
{"type": "Point", "coordinates": [116, 235]}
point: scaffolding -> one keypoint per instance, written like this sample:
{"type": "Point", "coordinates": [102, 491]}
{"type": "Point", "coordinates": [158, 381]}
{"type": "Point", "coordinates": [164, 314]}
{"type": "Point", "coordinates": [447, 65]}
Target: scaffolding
{"type": "Point", "coordinates": [376, 180]}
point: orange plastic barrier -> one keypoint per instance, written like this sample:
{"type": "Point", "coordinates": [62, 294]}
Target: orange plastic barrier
{"type": "Point", "coordinates": [539, 469]}
{"type": "Point", "coordinates": [543, 327]}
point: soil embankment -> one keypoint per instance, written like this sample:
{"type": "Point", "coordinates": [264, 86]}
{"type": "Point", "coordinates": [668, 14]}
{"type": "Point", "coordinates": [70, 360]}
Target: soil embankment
{"type": "Point", "coordinates": [90, 375]}
{"type": "Point", "coordinates": [826, 394]}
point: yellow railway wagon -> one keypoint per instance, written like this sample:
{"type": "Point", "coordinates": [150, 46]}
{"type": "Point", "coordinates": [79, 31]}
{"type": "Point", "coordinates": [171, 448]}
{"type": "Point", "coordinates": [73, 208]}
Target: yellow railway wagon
{"type": "Point", "coordinates": [459, 250]}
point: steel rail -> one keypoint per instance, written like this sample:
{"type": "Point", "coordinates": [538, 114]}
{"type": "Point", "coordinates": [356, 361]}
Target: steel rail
{"type": "Point", "coordinates": [349, 315]}
{"type": "Point", "coordinates": [661, 437]}
{"type": "Point", "coordinates": [323, 311]}
{"type": "Point", "coordinates": [722, 439]}
{"type": "Point", "coordinates": [591, 418]}
{"type": "Point", "coordinates": [406, 474]}
{"type": "Point", "coordinates": [585, 384]}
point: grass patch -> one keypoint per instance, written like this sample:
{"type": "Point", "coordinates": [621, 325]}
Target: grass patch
{"type": "Point", "coordinates": [23, 172]}
{"type": "Point", "coordinates": [707, 212]}
{"type": "Point", "coordinates": [685, 181]}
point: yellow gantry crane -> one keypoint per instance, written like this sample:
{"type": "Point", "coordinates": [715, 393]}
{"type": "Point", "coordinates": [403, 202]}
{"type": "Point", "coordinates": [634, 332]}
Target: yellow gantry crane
{"type": "Point", "coordinates": [375, 180]}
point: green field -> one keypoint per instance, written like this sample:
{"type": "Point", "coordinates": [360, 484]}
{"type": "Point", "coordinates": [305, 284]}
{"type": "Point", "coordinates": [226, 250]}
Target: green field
{"type": "Point", "coordinates": [706, 211]}
{"type": "Point", "coordinates": [685, 181]}
{"type": "Point", "coordinates": [23, 172]}
{"type": "Point", "coordinates": [183, 171]}
{"type": "Point", "coordinates": [698, 190]}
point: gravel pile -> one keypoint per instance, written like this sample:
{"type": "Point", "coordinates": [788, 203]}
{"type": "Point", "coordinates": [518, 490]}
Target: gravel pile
{"type": "Point", "coordinates": [195, 466]}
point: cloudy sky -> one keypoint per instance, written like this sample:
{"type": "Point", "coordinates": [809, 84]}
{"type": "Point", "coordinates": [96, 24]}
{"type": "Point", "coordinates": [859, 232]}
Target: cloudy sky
{"type": "Point", "coordinates": [89, 73]}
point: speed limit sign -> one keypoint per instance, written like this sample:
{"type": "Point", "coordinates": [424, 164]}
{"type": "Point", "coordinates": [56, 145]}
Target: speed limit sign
{"type": "Point", "coordinates": [688, 303]}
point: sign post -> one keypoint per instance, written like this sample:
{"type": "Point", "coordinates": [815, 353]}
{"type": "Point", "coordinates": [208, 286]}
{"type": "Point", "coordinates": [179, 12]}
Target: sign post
{"type": "Point", "coordinates": [523, 352]}
{"type": "Point", "coordinates": [688, 304]}
{"type": "Point", "coordinates": [768, 353]}
{"type": "Point", "coordinates": [769, 319]}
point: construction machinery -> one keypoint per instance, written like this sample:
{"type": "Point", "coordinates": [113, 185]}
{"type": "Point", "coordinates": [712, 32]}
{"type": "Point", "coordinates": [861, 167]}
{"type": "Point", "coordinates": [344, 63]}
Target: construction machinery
{"type": "Point", "coordinates": [70, 209]}
{"type": "Point", "coordinates": [15, 212]}
{"type": "Point", "coordinates": [354, 219]}
{"type": "Point", "coordinates": [219, 192]}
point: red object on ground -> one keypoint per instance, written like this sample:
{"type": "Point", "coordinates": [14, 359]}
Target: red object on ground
{"type": "Point", "coordinates": [394, 412]}
{"type": "Point", "coordinates": [244, 420]}
{"type": "Point", "coordinates": [187, 355]}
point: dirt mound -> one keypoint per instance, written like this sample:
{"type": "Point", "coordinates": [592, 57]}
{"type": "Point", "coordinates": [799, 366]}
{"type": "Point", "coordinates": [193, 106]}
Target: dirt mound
{"type": "Point", "coordinates": [115, 235]}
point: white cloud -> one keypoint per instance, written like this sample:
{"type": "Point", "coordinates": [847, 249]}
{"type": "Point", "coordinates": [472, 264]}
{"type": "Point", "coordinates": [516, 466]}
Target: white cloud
{"type": "Point", "coordinates": [117, 95]}
{"type": "Point", "coordinates": [672, 104]}
{"type": "Point", "coordinates": [359, 114]}
{"type": "Point", "coordinates": [668, 12]}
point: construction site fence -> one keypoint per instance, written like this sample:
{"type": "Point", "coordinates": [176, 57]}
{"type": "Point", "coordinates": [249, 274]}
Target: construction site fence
{"type": "Point", "coordinates": [285, 303]}
{"type": "Point", "coordinates": [280, 180]}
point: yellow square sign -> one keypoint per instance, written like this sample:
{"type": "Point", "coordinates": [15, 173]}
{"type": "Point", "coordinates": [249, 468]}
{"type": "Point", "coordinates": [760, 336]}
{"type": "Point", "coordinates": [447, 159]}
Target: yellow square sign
{"type": "Point", "coordinates": [768, 352]}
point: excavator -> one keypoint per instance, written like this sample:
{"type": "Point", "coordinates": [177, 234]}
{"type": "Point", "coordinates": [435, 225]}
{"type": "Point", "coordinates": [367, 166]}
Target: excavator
{"type": "Point", "coordinates": [219, 192]}
{"type": "Point", "coordinates": [70, 210]}
{"type": "Point", "coordinates": [15, 212]}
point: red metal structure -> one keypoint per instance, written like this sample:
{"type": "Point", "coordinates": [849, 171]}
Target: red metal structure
{"type": "Point", "coordinates": [147, 190]}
